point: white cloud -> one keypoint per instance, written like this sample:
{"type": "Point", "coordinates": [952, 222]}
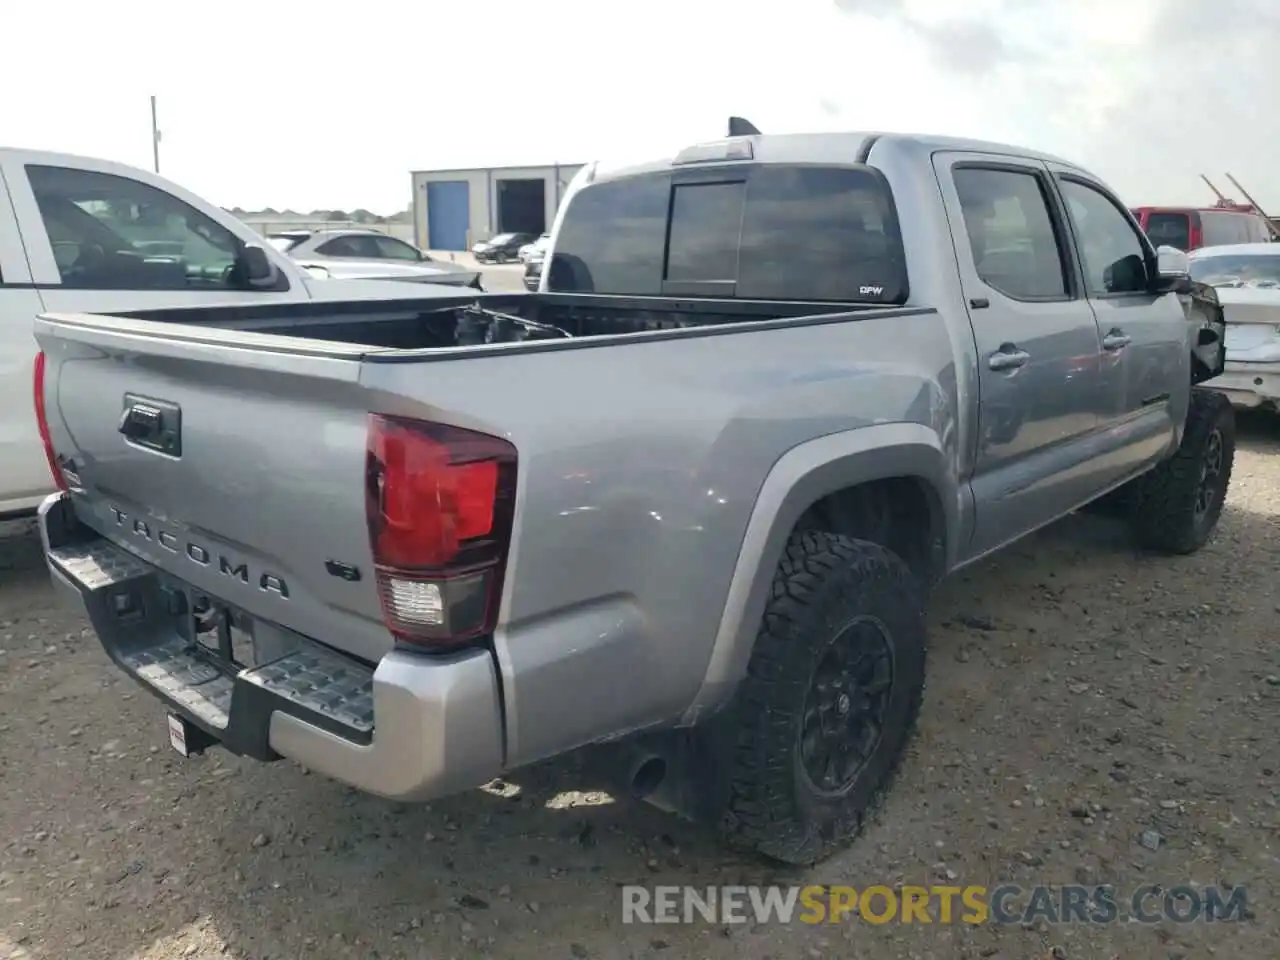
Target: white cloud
{"type": "Point", "coordinates": [331, 106]}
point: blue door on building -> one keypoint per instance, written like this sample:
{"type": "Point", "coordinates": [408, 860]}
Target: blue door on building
{"type": "Point", "coordinates": [448, 214]}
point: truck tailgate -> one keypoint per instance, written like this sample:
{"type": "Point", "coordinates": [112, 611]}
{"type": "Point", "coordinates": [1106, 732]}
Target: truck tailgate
{"type": "Point", "coordinates": [208, 453]}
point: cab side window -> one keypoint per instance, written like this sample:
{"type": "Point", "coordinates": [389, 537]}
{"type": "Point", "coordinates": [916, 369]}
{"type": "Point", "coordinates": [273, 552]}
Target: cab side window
{"type": "Point", "coordinates": [1221, 229]}
{"type": "Point", "coordinates": [114, 233]}
{"type": "Point", "coordinates": [1257, 231]}
{"type": "Point", "coordinates": [353, 246]}
{"type": "Point", "coordinates": [1113, 254]}
{"type": "Point", "coordinates": [1016, 248]}
{"type": "Point", "coordinates": [389, 248]}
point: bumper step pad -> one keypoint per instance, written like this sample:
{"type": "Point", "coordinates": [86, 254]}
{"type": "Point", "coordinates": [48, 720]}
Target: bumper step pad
{"type": "Point", "coordinates": [129, 605]}
{"type": "Point", "coordinates": [182, 675]}
{"type": "Point", "coordinates": [98, 565]}
{"type": "Point", "coordinates": [323, 682]}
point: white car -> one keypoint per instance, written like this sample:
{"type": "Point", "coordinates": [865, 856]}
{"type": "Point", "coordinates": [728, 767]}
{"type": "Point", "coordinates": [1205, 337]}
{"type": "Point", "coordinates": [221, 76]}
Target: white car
{"type": "Point", "coordinates": [385, 270]}
{"type": "Point", "coordinates": [1246, 277]}
{"type": "Point", "coordinates": [84, 235]}
{"type": "Point", "coordinates": [526, 252]}
{"type": "Point", "coordinates": [352, 244]}
{"type": "Point", "coordinates": [367, 255]}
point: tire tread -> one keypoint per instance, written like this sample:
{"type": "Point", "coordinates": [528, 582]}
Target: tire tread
{"type": "Point", "coordinates": [760, 812]}
{"type": "Point", "coordinates": [1163, 501]}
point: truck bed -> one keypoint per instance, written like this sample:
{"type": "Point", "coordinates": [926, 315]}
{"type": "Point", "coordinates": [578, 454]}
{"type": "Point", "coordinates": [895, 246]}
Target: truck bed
{"type": "Point", "coordinates": [449, 322]}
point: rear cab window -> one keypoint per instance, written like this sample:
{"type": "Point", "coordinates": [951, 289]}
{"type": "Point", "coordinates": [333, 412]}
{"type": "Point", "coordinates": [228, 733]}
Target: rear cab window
{"type": "Point", "coordinates": [1172, 229]}
{"type": "Point", "coordinates": [748, 231]}
{"type": "Point", "coordinates": [1228, 228]}
{"type": "Point", "coordinates": [1257, 230]}
{"type": "Point", "coordinates": [1221, 229]}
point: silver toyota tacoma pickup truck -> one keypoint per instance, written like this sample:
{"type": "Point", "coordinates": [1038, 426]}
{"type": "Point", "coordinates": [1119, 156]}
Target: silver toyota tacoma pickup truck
{"type": "Point", "coordinates": [686, 500]}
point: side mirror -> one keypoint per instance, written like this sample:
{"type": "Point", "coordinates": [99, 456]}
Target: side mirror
{"type": "Point", "coordinates": [1173, 271]}
{"type": "Point", "coordinates": [258, 271]}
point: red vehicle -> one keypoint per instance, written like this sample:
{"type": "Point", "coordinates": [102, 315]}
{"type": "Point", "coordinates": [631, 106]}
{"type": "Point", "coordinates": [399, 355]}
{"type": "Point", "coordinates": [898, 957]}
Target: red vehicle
{"type": "Point", "coordinates": [1190, 228]}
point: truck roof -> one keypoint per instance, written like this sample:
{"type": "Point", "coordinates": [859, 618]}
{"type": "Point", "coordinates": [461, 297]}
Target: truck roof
{"type": "Point", "coordinates": [75, 161]}
{"type": "Point", "coordinates": [1188, 208]}
{"type": "Point", "coordinates": [56, 159]}
{"type": "Point", "coordinates": [842, 147]}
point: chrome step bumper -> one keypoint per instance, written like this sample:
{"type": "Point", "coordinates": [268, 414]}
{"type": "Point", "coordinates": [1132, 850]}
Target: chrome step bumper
{"type": "Point", "coordinates": [411, 728]}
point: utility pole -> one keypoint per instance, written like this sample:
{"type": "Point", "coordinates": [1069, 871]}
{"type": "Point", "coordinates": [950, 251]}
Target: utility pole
{"type": "Point", "coordinates": [155, 137]}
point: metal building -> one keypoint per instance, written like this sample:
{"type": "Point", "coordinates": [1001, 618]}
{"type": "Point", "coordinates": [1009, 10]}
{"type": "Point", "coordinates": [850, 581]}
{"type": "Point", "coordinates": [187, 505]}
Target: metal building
{"type": "Point", "coordinates": [453, 209]}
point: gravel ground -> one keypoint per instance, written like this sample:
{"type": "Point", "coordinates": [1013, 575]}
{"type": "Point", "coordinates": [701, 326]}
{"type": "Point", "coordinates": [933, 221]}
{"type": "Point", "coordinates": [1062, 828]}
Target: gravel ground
{"type": "Point", "coordinates": [1080, 694]}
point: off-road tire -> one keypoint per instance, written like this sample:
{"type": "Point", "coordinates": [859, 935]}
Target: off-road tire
{"type": "Point", "coordinates": [1164, 501]}
{"type": "Point", "coordinates": [825, 583]}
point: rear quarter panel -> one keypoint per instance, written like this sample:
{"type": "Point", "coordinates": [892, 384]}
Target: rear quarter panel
{"type": "Point", "coordinates": [640, 467]}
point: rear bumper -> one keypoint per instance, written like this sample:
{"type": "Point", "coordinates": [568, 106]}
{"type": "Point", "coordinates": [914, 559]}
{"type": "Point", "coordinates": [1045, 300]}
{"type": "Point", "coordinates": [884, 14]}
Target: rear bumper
{"type": "Point", "coordinates": [1249, 384]}
{"type": "Point", "coordinates": [411, 728]}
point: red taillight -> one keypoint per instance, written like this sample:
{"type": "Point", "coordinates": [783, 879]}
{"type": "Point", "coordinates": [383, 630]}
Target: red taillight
{"type": "Point", "coordinates": [439, 503]}
{"type": "Point", "coordinates": [42, 423]}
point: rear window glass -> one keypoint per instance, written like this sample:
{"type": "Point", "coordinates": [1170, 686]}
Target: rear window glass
{"type": "Point", "coordinates": [706, 223]}
{"type": "Point", "coordinates": [1256, 229]}
{"type": "Point", "coordinates": [1225, 228]}
{"type": "Point", "coordinates": [773, 233]}
{"type": "Point", "coordinates": [1169, 229]}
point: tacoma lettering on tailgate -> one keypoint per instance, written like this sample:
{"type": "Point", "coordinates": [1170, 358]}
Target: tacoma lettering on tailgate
{"type": "Point", "coordinates": [197, 553]}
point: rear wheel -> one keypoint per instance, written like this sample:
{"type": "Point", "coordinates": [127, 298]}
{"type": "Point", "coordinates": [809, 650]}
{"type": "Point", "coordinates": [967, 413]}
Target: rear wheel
{"type": "Point", "coordinates": [1177, 505]}
{"type": "Point", "coordinates": [833, 688]}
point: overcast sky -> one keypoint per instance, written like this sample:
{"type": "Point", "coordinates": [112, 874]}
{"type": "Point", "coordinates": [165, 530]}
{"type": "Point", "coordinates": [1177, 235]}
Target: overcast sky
{"type": "Point", "coordinates": [328, 105]}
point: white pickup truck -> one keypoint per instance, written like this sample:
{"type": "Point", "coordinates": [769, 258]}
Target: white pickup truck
{"type": "Point", "coordinates": [86, 235]}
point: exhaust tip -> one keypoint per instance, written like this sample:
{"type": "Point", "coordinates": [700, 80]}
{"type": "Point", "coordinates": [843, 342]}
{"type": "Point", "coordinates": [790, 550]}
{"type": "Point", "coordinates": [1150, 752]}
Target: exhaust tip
{"type": "Point", "coordinates": [648, 776]}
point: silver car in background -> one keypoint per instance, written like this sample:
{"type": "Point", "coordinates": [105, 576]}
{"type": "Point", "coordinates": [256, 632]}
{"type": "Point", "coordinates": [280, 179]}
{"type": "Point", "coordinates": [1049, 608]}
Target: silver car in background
{"type": "Point", "coordinates": [368, 255]}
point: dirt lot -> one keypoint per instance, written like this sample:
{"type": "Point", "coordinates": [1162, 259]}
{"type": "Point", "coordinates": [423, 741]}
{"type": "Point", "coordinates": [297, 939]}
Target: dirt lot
{"type": "Point", "coordinates": [1080, 694]}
